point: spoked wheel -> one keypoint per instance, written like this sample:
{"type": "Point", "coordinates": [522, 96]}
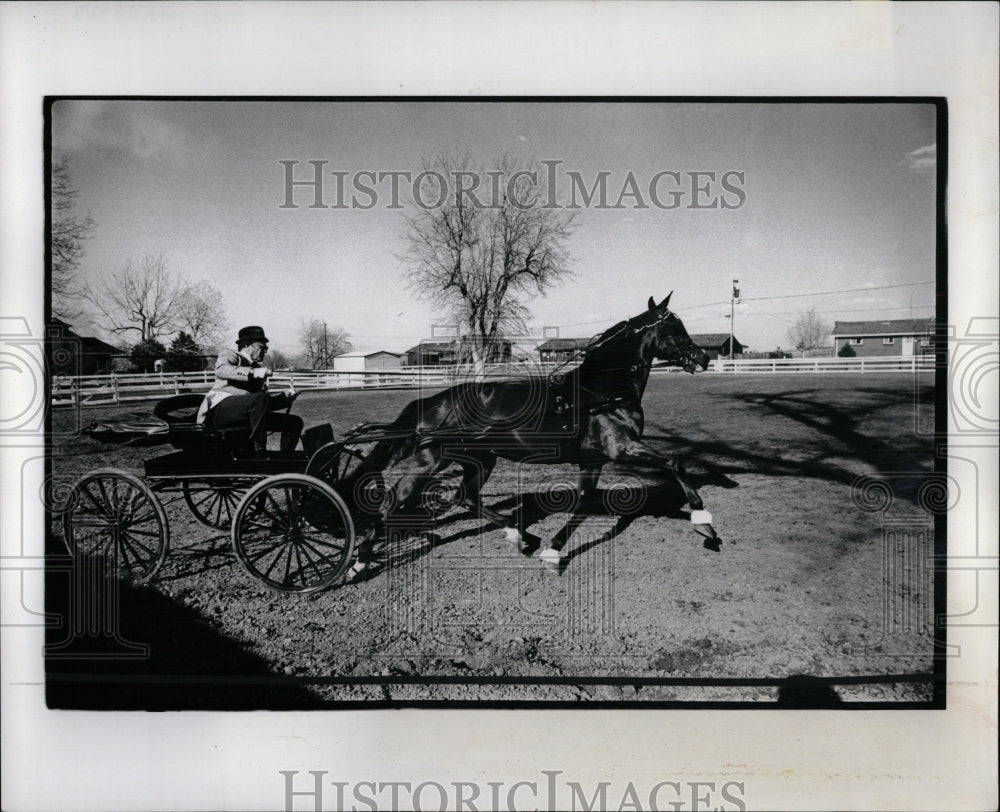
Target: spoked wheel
{"type": "Point", "coordinates": [293, 533]}
{"type": "Point", "coordinates": [213, 505]}
{"type": "Point", "coordinates": [341, 465]}
{"type": "Point", "coordinates": [115, 514]}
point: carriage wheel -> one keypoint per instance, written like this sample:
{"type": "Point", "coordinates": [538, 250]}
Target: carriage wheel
{"type": "Point", "coordinates": [340, 465]}
{"type": "Point", "coordinates": [213, 505]}
{"type": "Point", "coordinates": [115, 514]}
{"type": "Point", "coordinates": [293, 533]}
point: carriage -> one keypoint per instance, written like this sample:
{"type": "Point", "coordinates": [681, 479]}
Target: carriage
{"type": "Point", "coordinates": [293, 517]}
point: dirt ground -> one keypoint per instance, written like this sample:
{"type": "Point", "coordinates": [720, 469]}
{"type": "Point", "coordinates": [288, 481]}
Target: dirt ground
{"type": "Point", "coordinates": [822, 488]}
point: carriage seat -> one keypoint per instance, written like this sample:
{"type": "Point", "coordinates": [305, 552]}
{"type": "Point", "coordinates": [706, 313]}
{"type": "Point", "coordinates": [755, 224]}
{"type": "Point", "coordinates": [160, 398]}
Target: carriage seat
{"type": "Point", "coordinates": [181, 411]}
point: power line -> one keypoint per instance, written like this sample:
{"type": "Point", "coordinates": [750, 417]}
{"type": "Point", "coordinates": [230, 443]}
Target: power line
{"type": "Point", "coordinates": [844, 310]}
{"type": "Point", "coordinates": [845, 290]}
{"type": "Point", "coordinates": [803, 295]}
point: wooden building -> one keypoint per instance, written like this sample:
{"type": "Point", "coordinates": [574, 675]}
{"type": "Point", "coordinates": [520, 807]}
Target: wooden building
{"type": "Point", "coordinates": [716, 345]}
{"type": "Point", "coordinates": [895, 337]}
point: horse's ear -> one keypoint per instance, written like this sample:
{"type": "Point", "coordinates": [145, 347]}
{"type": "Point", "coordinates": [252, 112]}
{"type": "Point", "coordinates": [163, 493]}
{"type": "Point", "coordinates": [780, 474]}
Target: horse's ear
{"type": "Point", "coordinates": [665, 302]}
{"type": "Point", "coordinates": [652, 304]}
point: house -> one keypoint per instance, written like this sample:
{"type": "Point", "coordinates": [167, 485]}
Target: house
{"type": "Point", "coordinates": [896, 337]}
{"type": "Point", "coordinates": [716, 345]}
{"type": "Point", "coordinates": [562, 349]}
{"type": "Point", "coordinates": [71, 354]}
{"type": "Point", "coordinates": [445, 353]}
{"type": "Point", "coordinates": [361, 361]}
{"type": "Point", "coordinates": [432, 354]}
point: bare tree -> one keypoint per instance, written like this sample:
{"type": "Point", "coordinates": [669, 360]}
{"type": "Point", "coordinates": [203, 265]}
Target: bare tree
{"type": "Point", "coordinates": [809, 331]}
{"type": "Point", "coordinates": [320, 344]}
{"type": "Point", "coordinates": [141, 298]}
{"type": "Point", "coordinates": [276, 359]}
{"type": "Point", "coordinates": [68, 233]}
{"type": "Point", "coordinates": [201, 313]}
{"type": "Point", "coordinates": [479, 256]}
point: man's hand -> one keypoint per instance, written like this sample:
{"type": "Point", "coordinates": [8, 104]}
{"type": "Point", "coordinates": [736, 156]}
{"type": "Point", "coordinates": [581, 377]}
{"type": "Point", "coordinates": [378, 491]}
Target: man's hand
{"type": "Point", "coordinates": [260, 372]}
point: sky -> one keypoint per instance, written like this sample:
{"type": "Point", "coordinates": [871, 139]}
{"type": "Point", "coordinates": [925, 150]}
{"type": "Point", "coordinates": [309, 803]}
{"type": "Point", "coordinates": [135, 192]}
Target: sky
{"type": "Point", "coordinates": [825, 205]}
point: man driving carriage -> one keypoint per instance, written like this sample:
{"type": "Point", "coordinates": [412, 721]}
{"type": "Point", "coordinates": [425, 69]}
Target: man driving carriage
{"type": "Point", "coordinates": [240, 398]}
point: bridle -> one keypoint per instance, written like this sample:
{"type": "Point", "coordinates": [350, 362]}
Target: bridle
{"type": "Point", "coordinates": [687, 358]}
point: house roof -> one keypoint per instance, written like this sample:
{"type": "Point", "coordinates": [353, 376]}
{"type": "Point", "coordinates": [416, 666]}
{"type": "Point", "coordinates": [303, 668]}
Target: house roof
{"type": "Point", "coordinates": [882, 328]}
{"type": "Point", "coordinates": [364, 354]}
{"type": "Point", "coordinates": [88, 344]}
{"type": "Point", "coordinates": [447, 346]}
{"type": "Point", "coordinates": [564, 344]}
{"type": "Point", "coordinates": [434, 346]}
{"type": "Point", "coordinates": [712, 339]}
{"type": "Point", "coordinates": [91, 345]}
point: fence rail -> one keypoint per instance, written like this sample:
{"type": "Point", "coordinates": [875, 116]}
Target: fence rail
{"type": "Point", "coordinates": [914, 363]}
{"type": "Point", "coordinates": [94, 390]}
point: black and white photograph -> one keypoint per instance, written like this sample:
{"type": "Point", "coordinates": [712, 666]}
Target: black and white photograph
{"type": "Point", "coordinates": [556, 401]}
{"type": "Point", "coordinates": [499, 406]}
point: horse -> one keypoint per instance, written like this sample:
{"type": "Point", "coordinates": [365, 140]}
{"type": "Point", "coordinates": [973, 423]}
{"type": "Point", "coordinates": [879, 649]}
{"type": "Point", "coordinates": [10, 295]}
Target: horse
{"type": "Point", "coordinates": [590, 415]}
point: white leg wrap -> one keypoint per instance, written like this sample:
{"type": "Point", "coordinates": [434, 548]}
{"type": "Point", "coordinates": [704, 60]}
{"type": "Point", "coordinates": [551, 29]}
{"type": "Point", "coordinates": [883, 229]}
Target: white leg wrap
{"type": "Point", "coordinates": [512, 534]}
{"type": "Point", "coordinates": [551, 556]}
{"type": "Point", "coordinates": [701, 517]}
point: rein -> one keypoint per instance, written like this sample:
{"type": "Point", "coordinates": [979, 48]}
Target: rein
{"type": "Point", "coordinates": [634, 368]}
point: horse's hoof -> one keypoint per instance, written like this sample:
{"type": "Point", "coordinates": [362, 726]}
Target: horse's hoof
{"type": "Point", "coordinates": [701, 522]}
{"type": "Point", "coordinates": [553, 561]}
{"type": "Point", "coordinates": [525, 546]}
{"type": "Point", "coordinates": [358, 572]}
{"type": "Point", "coordinates": [713, 544]}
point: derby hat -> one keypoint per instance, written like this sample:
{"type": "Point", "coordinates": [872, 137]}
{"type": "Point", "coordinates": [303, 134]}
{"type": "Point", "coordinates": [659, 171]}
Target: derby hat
{"type": "Point", "coordinates": [248, 335]}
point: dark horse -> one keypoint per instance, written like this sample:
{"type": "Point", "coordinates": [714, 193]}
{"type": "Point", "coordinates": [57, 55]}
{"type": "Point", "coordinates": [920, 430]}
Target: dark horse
{"type": "Point", "coordinates": [591, 415]}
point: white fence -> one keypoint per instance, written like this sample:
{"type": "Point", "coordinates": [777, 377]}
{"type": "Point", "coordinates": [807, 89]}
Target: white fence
{"type": "Point", "coordinates": [96, 390]}
{"type": "Point", "coordinates": [102, 389]}
{"type": "Point", "coordinates": [914, 363]}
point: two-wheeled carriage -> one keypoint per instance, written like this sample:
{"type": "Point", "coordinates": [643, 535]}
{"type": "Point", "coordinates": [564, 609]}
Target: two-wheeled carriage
{"type": "Point", "coordinates": [292, 516]}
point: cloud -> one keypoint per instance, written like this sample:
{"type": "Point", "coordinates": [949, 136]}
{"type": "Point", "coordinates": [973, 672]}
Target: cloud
{"type": "Point", "coordinates": [923, 161]}
{"type": "Point", "coordinates": [116, 125]}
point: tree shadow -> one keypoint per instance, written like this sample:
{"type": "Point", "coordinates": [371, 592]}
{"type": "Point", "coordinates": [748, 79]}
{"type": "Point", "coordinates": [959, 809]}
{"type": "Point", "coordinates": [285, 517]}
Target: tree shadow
{"type": "Point", "coordinates": [838, 433]}
{"type": "Point", "coordinates": [834, 432]}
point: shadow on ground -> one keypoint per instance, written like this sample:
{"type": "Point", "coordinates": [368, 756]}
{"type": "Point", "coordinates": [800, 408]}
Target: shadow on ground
{"type": "Point", "coordinates": [807, 433]}
{"type": "Point", "coordinates": [124, 647]}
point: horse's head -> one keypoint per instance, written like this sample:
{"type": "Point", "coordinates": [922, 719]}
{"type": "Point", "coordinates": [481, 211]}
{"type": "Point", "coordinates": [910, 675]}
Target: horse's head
{"type": "Point", "coordinates": [670, 340]}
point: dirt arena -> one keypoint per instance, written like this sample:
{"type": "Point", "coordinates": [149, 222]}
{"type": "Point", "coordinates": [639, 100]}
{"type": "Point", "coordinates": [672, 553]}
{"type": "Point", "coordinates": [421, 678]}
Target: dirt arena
{"type": "Point", "coordinates": [822, 488]}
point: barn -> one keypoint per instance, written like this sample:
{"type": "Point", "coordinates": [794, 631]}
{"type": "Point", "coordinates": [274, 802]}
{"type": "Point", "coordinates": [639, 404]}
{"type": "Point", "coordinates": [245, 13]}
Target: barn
{"type": "Point", "coordinates": [72, 354]}
{"type": "Point", "coordinates": [562, 349]}
{"type": "Point", "coordinates": [896, 337]}
{"type": "Point", "coordinates": [445, 353]}
{"type": "Point", "coordinates": [716, 345]}
{"type": "Point", "coordinates": [361, 361]}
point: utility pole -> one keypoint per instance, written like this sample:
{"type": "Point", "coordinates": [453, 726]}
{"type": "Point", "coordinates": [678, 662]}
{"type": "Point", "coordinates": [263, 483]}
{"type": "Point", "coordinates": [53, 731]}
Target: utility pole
{"type": "Point", "coordinates": [732, 315]}
{"type": "Point", "coordinates": [326, 352]}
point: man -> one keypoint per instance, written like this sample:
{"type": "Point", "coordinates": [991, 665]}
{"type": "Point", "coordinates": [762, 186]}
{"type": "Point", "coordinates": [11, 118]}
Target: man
{"type": "Point", "coordinates": [240, 397]}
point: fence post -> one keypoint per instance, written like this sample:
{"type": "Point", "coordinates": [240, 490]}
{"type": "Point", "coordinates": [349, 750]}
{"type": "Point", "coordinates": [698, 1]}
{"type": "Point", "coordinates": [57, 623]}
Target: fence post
{"type": "Point", "coordinates": [114, 385]}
